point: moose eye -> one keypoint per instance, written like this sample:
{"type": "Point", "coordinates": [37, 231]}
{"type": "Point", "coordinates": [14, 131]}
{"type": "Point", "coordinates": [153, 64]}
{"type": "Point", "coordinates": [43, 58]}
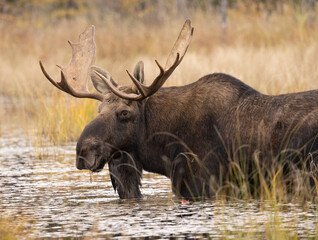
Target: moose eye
{"type": "Point", "coordinates": [124, 115]}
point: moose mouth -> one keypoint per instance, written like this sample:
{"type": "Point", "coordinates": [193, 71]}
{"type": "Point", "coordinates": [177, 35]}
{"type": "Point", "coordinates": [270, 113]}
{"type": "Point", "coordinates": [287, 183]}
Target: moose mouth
{"type": "Point", "coordinates": [94, 166]}
{"type": "Point", "coordinates": [99, 162]}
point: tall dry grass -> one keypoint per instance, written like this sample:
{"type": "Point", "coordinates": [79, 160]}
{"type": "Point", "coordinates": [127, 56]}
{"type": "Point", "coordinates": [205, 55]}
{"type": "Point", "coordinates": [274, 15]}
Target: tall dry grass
{"type": "Point", "coordinates": [275, 56]}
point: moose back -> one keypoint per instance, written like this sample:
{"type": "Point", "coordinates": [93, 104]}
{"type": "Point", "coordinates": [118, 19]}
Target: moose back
{"type": "Point", "coordinates": [192, 134]}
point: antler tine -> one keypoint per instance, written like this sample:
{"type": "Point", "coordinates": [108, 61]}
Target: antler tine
{"type": "Point", "coordinates": [137, 84]}
{"type": "Point", "coordinates": [49, 77]}
{"type": "Point", "coordinates": [119, 93]}
{"type": "Point", "coordinates": [175, 57]}
{"type": "Point", "coordinates": [74, 77]}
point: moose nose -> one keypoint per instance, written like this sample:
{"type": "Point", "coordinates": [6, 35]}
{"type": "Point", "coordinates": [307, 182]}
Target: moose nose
{"type": "Point", "coordinates": [80, 163]}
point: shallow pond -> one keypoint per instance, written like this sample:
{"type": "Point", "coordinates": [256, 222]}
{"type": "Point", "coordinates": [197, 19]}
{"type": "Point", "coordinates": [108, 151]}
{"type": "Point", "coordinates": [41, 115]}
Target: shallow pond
{"type": "Point", "coordinates": [43, 185]}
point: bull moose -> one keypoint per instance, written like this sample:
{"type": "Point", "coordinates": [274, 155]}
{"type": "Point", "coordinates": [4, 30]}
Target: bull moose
{"type": "Point", "coordinates": [188, 133]}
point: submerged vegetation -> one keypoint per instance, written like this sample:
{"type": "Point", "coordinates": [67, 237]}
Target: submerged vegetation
{"type": "Point", "coordinates": [274, 50]}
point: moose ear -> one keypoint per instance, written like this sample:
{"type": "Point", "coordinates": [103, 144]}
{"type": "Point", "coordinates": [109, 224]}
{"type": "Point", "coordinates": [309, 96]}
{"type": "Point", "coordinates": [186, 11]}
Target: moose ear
{"type": "Point", "coordinates": [98, 83]}
{"type": "Point", "coordinates": [139, 72]}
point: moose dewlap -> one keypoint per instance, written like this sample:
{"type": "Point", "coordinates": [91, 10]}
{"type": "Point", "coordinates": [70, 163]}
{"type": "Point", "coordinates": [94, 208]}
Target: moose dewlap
{"type": "Point", "coordinates": [195, 134]}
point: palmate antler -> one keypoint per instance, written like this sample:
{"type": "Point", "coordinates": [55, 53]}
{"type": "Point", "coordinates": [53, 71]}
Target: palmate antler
{"type": "Point", "coordinates": [175, 57]}
{"type": "Point", "coordinates": [74, 77]}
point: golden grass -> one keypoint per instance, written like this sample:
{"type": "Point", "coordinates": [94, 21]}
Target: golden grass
{"type": "Point", "coordinates": [62, 118]}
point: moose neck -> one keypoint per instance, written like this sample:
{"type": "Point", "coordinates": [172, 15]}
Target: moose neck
{"type": "Point", "coordinates": [162, 111]}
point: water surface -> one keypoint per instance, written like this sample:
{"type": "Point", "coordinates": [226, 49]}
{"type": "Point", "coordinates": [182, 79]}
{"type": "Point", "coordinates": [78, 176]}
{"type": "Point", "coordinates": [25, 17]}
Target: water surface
{"type": "Point", "coordinates": [42, 184]}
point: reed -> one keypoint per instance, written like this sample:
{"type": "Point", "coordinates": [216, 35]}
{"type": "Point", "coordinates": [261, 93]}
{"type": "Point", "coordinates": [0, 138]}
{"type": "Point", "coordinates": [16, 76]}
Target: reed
{"type": "Point", "coordinates": [63, 118]}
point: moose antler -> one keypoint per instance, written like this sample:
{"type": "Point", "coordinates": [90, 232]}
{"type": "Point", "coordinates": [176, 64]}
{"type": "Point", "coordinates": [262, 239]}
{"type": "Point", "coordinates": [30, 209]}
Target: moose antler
{"type": "Point", "coordinates": [75, 76]}
{"type": "Point", "coordinates": [175, 57]}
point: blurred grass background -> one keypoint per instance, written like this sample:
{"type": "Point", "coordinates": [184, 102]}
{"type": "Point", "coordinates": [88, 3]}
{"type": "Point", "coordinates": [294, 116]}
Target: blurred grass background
{"type": "Point", "coordinates": [270, 45]}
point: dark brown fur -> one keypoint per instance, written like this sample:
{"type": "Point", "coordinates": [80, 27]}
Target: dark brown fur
{"type": "Point", "coordinates": [191, 133]}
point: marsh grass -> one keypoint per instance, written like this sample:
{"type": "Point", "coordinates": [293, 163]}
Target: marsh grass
{"type": "Point", "coordinates": [281, 181]}
{"type": "Point", "coordinates": [270, 183]}
{"type": "Point", "coordinates": [63, 118]}
{"type": "Point", "coordinates": [289, 176]}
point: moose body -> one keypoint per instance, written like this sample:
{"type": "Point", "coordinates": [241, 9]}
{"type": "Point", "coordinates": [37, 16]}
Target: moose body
{"type": "Point", "coordinates": [190, 133]}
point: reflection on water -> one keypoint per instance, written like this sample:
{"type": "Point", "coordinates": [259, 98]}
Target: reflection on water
{"type": "Point", "coordinates": [62, 202]}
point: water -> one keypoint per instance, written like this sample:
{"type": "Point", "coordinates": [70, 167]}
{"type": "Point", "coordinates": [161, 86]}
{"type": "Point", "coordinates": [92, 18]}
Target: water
{"type": "Point", "coordinates": [43, 186]}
